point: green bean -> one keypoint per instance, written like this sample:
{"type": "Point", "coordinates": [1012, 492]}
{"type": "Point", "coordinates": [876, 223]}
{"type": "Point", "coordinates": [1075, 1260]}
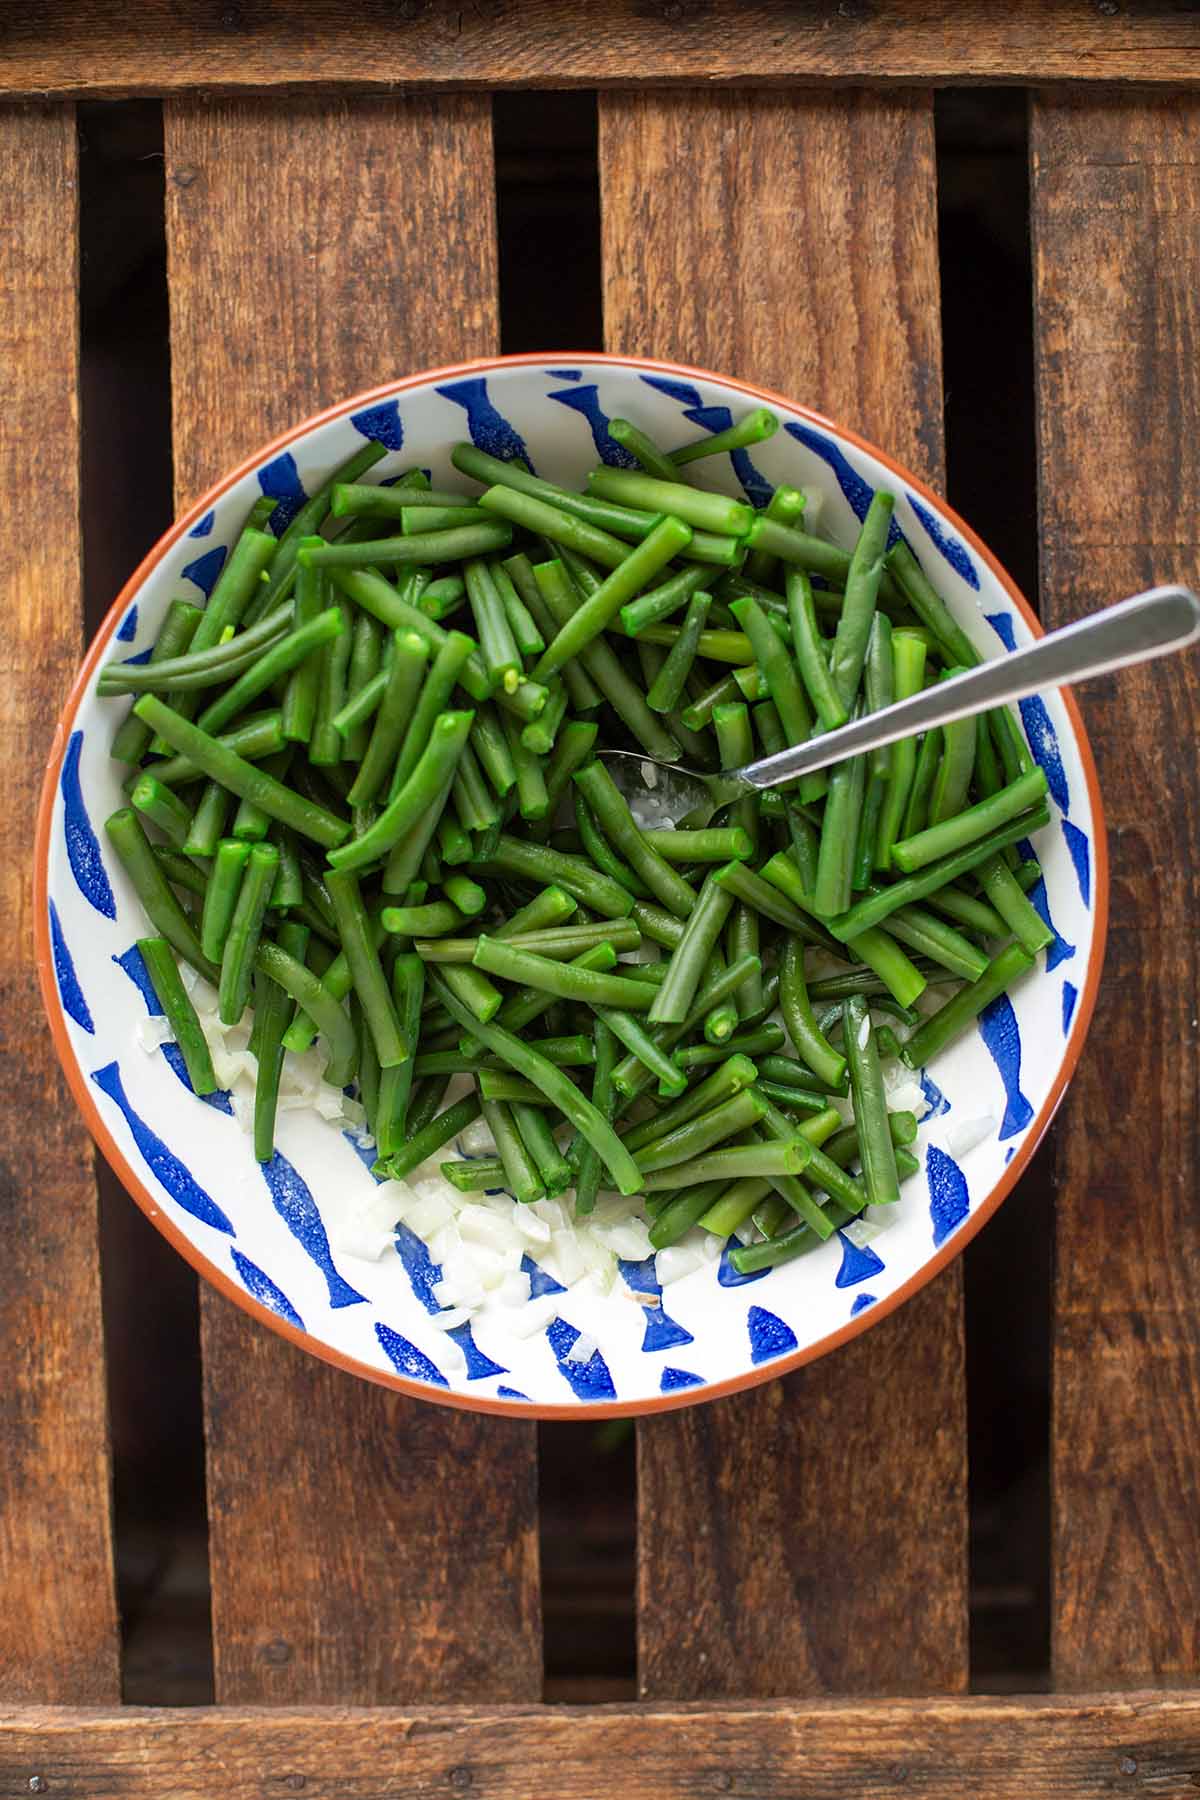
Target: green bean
{"type": "Point", "coordinates": [521, 1008]}
{"type": "Point", "coordinates": [638, 1042]}
{"type": "Point", "coordinates": [786, 506]}
{"type": "Point", "coordinates": [969, 910]}
{"type": "Point", "coordinates": [221, 894]}
{"type": "Point", "coordinates": [366, 655]}
{"type": "Point", "coordinates": [288, 890]}
{"type": "Point", "coordinates": [899, 974]}
{"type": "Point", "coordinates": [437, 919]}
{"type": "Point", "coordinates": [585, 696]}
{"type": "Point", "coordinates": [576, 1052]}
{"type": "Point", "coordinates": [539, 735]}
{"type": "Point", "coordinates": [442, 597]}
{"type": "Point", "coordinates": [132, 738]}
{"type": "Point", "coordinates": [600, 852]}
{"type": "Point", "coordinates": [601, 664]}
{"type": "Point", "coordinates": [429, 1139]}
{"type": "Point", "coordinates": [250, 821]}
{"type": "Point", "coordinates": [819, 1126]}
{"type": "Point", "coordinates": [190, 672]}
{"type": "Point", "coordinates": [237, 582]}
{"type": "Point", "coordinates": [564, 980]}
{"type": "Point", "coordinates": [558, 1088]}
{"type": "Point", "coordinates": [491, 745]}
{"type": "Point", "coordinates": [813, 1049]}
{"type": "Point", "coordinates": [812, 652]}
{"type": "Point", "coordinates": [630, 1077]}
{"type": "Point", "coordinates": [659, 603]}
{"type": "Point", "coordinates": [259, 736]}
{"type": "Point", "coordinates": [832, 891]}
{"type": "Point", "coordinates": [617, 823]}
{"type": "Point", "coordinates": [548, 519]}
{"type": "Point", "coordinates": [430, 778]}
{"type": "Point", "coordinates": [480, 1175]}
{"type": "Point", "coordinates": [163, 808]}
{"type": "Point", "coordinates": [286, 654]}
{"type": "Point", "coordinates": [587, 1179]}
{"type": "Point", "coordinates": [743, 1159]}
{"type": "Point", "coordinates": [396, 1079]}
{"type": "Point", "coordinates": [425, 1102]}
{"type": "Point", "coordinates": [736, 1073]}
{"type": "Point", "coordinates": [385, 603]}
{"type": "Point", "coordinates": [473, 801]}
{"type": "Point", "coordinates": [181, 1016]}
{"type": "Point", "coordinates": [939, 842]}
{"type": "Point", "coordinates": [537, 862]}
{"type": "Point", "coordinates": [929, 607]}
{"type": "Point", "coordinates": [953, 778]}
{"type": "Point", "coordinates": [548, 910]}
{"type": "Point", "coordinates": [528, 639]}
{"type": "Point", "coordinates": [870, 1105]}
{"type": "Point", "coordinates": [241, 942]}
{"type": "Point", "coordinates": [908, 675]}
{"type": "Point", "coordinates": [416, 519]}
{"type": "Point", "coordinates": [501, 657]}
{"type": "Point", "coordinates": [699, 714]}
{"type": "Point", "coordinates": [521, 1176]}
{"type": "Point", "coordinates": [282, 570]}
{"type": "Point", "coordinates": [409, 855]}
{"type": "Point", "coordinates": [916, 813]}
{"type": "Point", "coordinates": [208, 821]}
{"type": "Point", "coordinates": [686, 1142]}
{"type": "Point", "coordinates": [667, 687]}
{"type": "Point", "coordinates": [532, 799]}
{"type": "Point", "coordinates": [535, 1133]}
{"type": "Point", "coordinates": [950, 1020]}
{"type": "Point", "coordinates": [713, 844]}
{"type": "Point", "coordinates": [359, 946]}
{"type": "Point", "coordinates": [427, 548]}
{"type": "Point", "coordinates": [757, 889]}
{"type": "Point", "coordinates": [683, 1211]}
{"type": "Point", "coordinates": [660, 926]}
{"type": "Point", "coordinates": [1017, 912]}
{"type": "Point", "coordinates": [160, 905]}
{"type": "Point", "coordinates": [561, 943]}
{"type": "Point", "coordinates": [940, 942]}
{"type": "Point", "coordinates": [804, 1100]}
{"type": "Point", "coordinates": [272, 1010]}
{"type": "Point", "coordinates": [637, 442]}
{"type": "Point", "coordinates": [754, 428]}
{"type": "Point", "coordinates": [499, 1084]}
{"type": "Point", "coordinates": [689, 959]}
{"type": "Point", "coordinates": [689, 505]}
{"type": "Point", "coordinates": [783, 683]}
{"type": "Point", "coordinates": [635, 570]}
{"type": "Point", "coordinates": [472, 987]}
{"type": "Point", "coordinates": [219, 763]}
{"type": "Point", "coordinates": [404, 679]}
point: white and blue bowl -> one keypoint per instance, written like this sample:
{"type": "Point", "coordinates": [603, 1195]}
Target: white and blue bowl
{"type": "Point", "coordinates": [261, 1235]}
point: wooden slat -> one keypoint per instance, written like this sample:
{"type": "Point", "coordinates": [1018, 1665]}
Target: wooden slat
{"type": "Point", "coordinates": [1026, 1749]}
{"type": "Point", "coordinates": [58, 1626]}
{"type": "Point", "coordinates": [364, 1546]}
{"type": "Point", "coordinates": [822, 1546]}
{"type": "Point", "coordinates": [1116, 210]}
{"type": "Point", "coordinates": [172, 46]}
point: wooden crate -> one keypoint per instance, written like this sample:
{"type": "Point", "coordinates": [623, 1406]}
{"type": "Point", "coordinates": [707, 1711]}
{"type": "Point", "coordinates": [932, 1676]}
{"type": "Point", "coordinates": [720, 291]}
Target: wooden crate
{"type": "Point", "coordinates": [328, 182]}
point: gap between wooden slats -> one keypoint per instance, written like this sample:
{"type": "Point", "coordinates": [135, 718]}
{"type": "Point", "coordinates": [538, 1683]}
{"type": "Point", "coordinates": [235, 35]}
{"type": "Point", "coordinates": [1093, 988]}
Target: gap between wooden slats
{"type": "Point", "coordinates": [58, 1626]}
{"type": "Point", "coordinates": [364, 1547]}
{"type": "Point", "coordinates": [810, 1535]}
{"type": "Point", "coordinates": [1116, 218]}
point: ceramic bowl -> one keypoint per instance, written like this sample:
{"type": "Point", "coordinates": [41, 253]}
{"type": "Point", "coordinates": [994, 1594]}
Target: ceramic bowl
{"type": "Point", "coordinates": [268, 1237]}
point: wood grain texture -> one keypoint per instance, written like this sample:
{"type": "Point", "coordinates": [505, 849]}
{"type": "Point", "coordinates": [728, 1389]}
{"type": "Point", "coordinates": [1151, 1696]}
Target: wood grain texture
{"type": "Point", "coordinates": [87, 47]}
{"type": "Point", "coordinates": [822, 1545]}
{"type": "Point", "coordinates": [1037, 1749]}
{"type": "Point", "coordinates": [1116, 212]}
{"type": "Point", "coordinates": [364, 1546]}
{"type": "Point", "coordinates": [58, 1625]}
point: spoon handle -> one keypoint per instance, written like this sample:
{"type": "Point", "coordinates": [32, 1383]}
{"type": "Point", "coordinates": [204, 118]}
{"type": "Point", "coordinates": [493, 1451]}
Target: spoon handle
{"type": "Point", "coordinates": [1151, 624]}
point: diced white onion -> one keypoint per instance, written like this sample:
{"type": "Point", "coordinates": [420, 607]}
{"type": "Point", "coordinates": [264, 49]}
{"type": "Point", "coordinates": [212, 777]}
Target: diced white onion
{"type": "Point", "coordinates": [965, 1134]}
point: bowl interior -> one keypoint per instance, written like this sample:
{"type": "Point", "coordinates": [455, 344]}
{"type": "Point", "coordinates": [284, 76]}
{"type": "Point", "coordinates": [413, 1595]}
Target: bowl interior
{"type": "Point", "coordinates": [282, 1240]}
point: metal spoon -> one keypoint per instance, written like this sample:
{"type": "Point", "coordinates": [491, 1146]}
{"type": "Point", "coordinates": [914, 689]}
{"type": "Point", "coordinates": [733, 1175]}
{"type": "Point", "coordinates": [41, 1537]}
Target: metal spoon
{"type": "Point", "coordinates": [1151, 624]}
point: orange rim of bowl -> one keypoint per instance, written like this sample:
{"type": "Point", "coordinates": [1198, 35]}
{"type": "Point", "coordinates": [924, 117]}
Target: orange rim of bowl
{"type": "Point", "coordinates": [115, 1156]}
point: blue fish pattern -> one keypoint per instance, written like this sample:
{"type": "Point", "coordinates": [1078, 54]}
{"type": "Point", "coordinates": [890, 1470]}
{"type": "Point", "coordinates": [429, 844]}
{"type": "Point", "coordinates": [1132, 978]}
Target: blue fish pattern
{"type": "Point", "coordinates": [769, 1336]}
{"type": "Point", "coordinates": [298, 1210]}
{"type": "Point", "coordinates": [587, 1381]}
{"type": "Point", "coordinates": [1070, 995]}
{"type": "Point", "coordinates": [566, 374]}
{"type": "Point", "coordinates": [1078, 851]}
{"type": "Point", "coordinates": [488, 429]}
{"type": "Point", "coordinates": [280, 481]}
{"type": "Point", "coordinates": [263, 1288]}
{"type": "Point", "coordinates": [205, 570]}
{"type": "Point", "coordinates": [131, 962]}
{"type": "Point", "coordinates": [861, 1303]}
{"type": "Point", "coordinates": [367, 1154]}
{"type": "Point", "coordinates": [856, 488]}
{"type": "Point", "coordinates": [423, 1273]}
{"type": "Point", "coordinates": [1002, 1035]}
{"type": "Point", "coordinates": [219, 1099]}
{"type": "Point", "coordinates": [507, 1393]}
{"type": "Point", "coordinates": [949, 1199]}
{"type": "Point", "coordinates": [539, 1282]}
{"type": "Point", "coordinates": [69, 990]}
{"type": "Point", "coordinates": [672, 1380]}
{"type": "Point", "coordinates": [586, 400]}
{"type": "Point", "coordinates": [83, 848]}
{"type": "Point", "coordinates": [382, 424]}
{"type": "Point", "coordinates": [204, 526]}
{"type": "Point", "coordinates": [661, 1332]}
{"type": "Point", "coordinates": [754, 484]}
{"type": "Point", "coordinates": [728, 1276]}
{"type": "Point", "coordinates": [1043, 739]}
{"type": "Point", "coordinates": [166, 1167]}
{"type": "Point", "coordinates": [935, 1100]}
{"type": "Point", "coordinates": [406, 1359]}
{"type": "Point", "coordinates": [127, 629]}
{"type": "Point", "coordinates": [479, 1366]}
{"type": "Point", "coordinates": [951, 547]}
{"type": "Point", "coordinates": [859, 1263]}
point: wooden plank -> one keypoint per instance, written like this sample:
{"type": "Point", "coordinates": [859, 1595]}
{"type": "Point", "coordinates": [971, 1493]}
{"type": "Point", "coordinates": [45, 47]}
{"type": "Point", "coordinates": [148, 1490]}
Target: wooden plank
{"type": "Point", "coordinates": [1116, 210]}
{"type": "Point", "coordinates": [87, 47]}
{"type": "Point", "coordinates": [363, 1545]}
{"type": "Point", "coordinates": [1026, 1749]}
{"type": "Point", "coordinates": [58, 1626]}
{"type": "Point", "coordinates": [719, 217]}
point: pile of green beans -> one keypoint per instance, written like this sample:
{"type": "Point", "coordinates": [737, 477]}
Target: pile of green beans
{"type": "Point", "coordinates": [366, 802]}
